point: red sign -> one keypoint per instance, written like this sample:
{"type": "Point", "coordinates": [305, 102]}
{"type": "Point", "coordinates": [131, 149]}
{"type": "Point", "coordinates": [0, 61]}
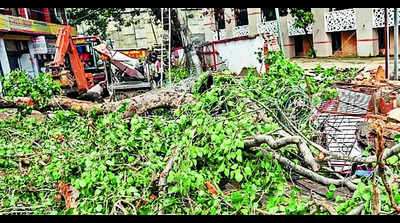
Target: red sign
{"type": "Point", "coordinates": [134, 53]}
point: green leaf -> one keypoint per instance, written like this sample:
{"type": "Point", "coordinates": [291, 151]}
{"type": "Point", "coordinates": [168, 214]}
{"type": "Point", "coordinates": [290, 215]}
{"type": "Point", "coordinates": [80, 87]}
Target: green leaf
{"type": "Point", "coordinates": [99, 207]}
{"type": "Point", "coordinates": [238, 176]}
{"type": "Point", "coordinates": [247, 171]}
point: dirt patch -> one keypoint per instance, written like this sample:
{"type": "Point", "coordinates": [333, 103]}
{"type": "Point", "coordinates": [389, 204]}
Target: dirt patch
{"type": "Point", "coordinates": [344, 62]}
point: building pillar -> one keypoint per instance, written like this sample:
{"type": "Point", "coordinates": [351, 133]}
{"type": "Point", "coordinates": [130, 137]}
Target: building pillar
{"type": "Point", "coordinates": [288, 42]}
{"type": "Point", "coordinates": [321, 40]}
{"type": "Point", "coordinates": [5, 65]}
{"type": "Point", "coordinates": [367, 37]}
{"type": "Point", "coordinates": [254, 15]}
{"type": "Point", "coordinates": [46, 14]}
{"type": "Point", "coordinates": [209, 24]}
{"type": "Point", "coordinates": [229, 22]}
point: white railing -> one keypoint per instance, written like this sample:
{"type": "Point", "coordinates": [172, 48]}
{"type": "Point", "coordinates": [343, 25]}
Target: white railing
{"type": "Point", "coordinates": [241, 31]}
{"type": "Point", "coordinates": [341, 20]}
{"type": "Point", "coordinates": [270, 27]}
{"type": "Point", "coordinates": [292, 31]}
{"type": "Point", "coordinates": [379, 17]}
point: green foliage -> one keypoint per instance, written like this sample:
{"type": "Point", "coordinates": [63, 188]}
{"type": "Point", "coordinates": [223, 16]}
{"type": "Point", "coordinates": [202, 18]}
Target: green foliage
{"type": "Point", "coordinates": [177, 74]}
{"type": "Point", "coordinates": [110, 159]}
{"type": "Point", "coordinates": [41, 88]}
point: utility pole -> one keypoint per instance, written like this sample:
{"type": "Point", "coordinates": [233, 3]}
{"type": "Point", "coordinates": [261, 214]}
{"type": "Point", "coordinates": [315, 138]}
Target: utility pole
{"type": "Point", "coordinates": [169, 44]}
{"type": "Point", "coordinates": [396, 44]}
{"type": "Point", "coordinates": [386, 45]}
{"type": "Point", "coordinates": [134, 33]}
{"type": "Point", "coordinates": [162, 44]}
{"type": "Point", "coordinates": [278, 21]}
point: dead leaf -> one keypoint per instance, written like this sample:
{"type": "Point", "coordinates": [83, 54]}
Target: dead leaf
{"type": "Point", "coordinates": [211, 188]}
{"type": "Point", "coordinates": [69, 193]}
{"type": "Point", "coordinates": [57, 197]}
{"type": "Point", "coordinates": [152, 196]}
{"type": "Point", "coordinates": [380, 74]}
{"type": "Point", "coordinates": [60, 138]}
{"type": "Point", "coordinates": [321, 156]}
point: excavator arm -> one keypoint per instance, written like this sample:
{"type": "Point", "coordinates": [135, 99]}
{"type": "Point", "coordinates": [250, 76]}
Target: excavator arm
{"type": "Point", "coordinates": [65, 45]}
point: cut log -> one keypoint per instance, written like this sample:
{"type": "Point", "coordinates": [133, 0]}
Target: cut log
{"type": "Point", "coordinates": [163, 98]}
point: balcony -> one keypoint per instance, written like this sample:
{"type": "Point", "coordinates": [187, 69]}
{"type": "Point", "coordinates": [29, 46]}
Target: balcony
{"type": "Point", "coordinates": [241, 31]}
{"type": "Point", "coordinates": [378, 20]}
{"type": "Point", "coordinates": [292, 31]}
{"type": "Point", "coordinates": [341, 20]}
{"type": "Point", "coordinates": [270, 27]}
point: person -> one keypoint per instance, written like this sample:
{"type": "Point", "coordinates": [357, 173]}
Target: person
{"type": "Point", "coordinates": [155, 66]}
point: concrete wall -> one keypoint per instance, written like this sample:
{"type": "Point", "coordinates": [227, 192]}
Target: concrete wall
{"type": "Point", "coordinates": [288, 42]}
{"type": "Point", "coordinates": [237, 54]}
{"type": "Point", "coordinates": [391, 41]}
{"type": "Point", "coordinates": [321, 40]}
{"type": "Point", "coordinates": [367, 37]}
{"type": "Point", "coordinates": [254, 15]}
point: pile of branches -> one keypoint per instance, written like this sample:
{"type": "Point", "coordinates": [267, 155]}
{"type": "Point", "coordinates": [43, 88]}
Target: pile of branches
{"type": "Point", "coordinates": [227, 147]}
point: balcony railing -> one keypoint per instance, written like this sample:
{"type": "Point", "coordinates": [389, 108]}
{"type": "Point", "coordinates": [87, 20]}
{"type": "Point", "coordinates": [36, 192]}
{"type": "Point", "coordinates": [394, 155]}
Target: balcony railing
{"type": "Point", "coordinates": [241, 31]}
{"type": "Point", "coordinates": [270, 27]}
{"type": "Point", "coordinates": [378, 20]}
{"type": "Point", "coordinates": [341, 20]}
{"type": "Point", "coordinates": [292, 31]}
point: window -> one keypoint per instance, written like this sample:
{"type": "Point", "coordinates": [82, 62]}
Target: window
{"type": "Point", "coordinates": [241, 16]}
{"type": "Point", "coordinates": [36, 14]}
{"type": "Point", "coordinates": [15, 12]}
{"type": "Point", "coordinates": [219, 18]}
{"type": "Point", "coordinates": [268, 14]}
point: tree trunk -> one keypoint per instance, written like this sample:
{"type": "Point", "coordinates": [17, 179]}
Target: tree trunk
{"type": "Point", "coordinates": [314, 55]}
{"type": "Point", "coordinates": [160, 98]}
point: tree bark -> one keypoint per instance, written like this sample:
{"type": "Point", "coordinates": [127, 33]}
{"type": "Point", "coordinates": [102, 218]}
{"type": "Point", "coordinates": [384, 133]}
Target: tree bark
{"type": "Point", "coordinates": [136, 105]}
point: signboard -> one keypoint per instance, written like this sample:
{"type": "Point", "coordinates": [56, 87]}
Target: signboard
{"type": "Point", "coordinates": [3, 22]}
{"type": "Point", "coordinates": [41, 27]}
{"type": "Point", "coordinates": [134, 53]}
{"type": "Point", "coordinates": [19, 24]}
{"type": "Point", "coordinates": [51, 46]}
{"type": "Point", "coordinates": [39, 45]}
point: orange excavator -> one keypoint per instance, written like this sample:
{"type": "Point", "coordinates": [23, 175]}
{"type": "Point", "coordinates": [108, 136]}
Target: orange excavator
{"type": "Point", "coordinates": [63, 65]}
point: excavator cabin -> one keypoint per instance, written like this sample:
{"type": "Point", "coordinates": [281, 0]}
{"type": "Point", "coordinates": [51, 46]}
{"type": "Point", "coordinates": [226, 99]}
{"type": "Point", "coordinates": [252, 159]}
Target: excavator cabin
{"type": "Point", "coordinates": [69, 65]}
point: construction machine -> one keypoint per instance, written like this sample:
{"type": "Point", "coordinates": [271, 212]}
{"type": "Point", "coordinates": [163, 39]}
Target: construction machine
{"type": "Point", "coordinates": [69, 70]}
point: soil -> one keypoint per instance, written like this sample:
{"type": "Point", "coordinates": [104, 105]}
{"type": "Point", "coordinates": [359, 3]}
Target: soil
{"type": "Point", "coordinates": [370, 63]}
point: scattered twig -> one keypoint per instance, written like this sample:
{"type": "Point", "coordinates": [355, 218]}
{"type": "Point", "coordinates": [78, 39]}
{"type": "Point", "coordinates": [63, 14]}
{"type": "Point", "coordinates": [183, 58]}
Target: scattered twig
{"type": "Point", "coordinates": [257, 140]}
{"type": "Point", "coordinates": [164, 174]}
{"type": "Point", "coordinates": [319, 147]}
{"type": "Point", "coordinates": [310, 174]}
{"type": "Point", "coordinates": [357, 210]}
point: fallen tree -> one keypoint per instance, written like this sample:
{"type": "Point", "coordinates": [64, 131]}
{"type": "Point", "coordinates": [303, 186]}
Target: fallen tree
{"type": "Point", "coordinates": [136, 105]}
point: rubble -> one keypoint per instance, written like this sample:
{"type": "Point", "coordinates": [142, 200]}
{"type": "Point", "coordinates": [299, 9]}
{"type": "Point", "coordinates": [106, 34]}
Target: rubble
{"type": "Point", "coordinates": [346, 124]}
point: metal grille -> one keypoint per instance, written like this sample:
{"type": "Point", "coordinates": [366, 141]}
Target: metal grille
{"type": "Point", "coordinates": [338, 121]}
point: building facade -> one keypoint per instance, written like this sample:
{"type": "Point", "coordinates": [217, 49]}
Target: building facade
{"type": "Point", "coordinates": [335, 32]}
{"type": "Point", "coordinates": [28, 37]}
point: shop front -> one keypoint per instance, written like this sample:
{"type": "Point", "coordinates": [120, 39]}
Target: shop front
{"type": "Point", "coordinates": [44, 50]}
{"type": "Point", "coordinates": [18, 54]}
{"type": "Point", "coordinates": [27, 44]}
